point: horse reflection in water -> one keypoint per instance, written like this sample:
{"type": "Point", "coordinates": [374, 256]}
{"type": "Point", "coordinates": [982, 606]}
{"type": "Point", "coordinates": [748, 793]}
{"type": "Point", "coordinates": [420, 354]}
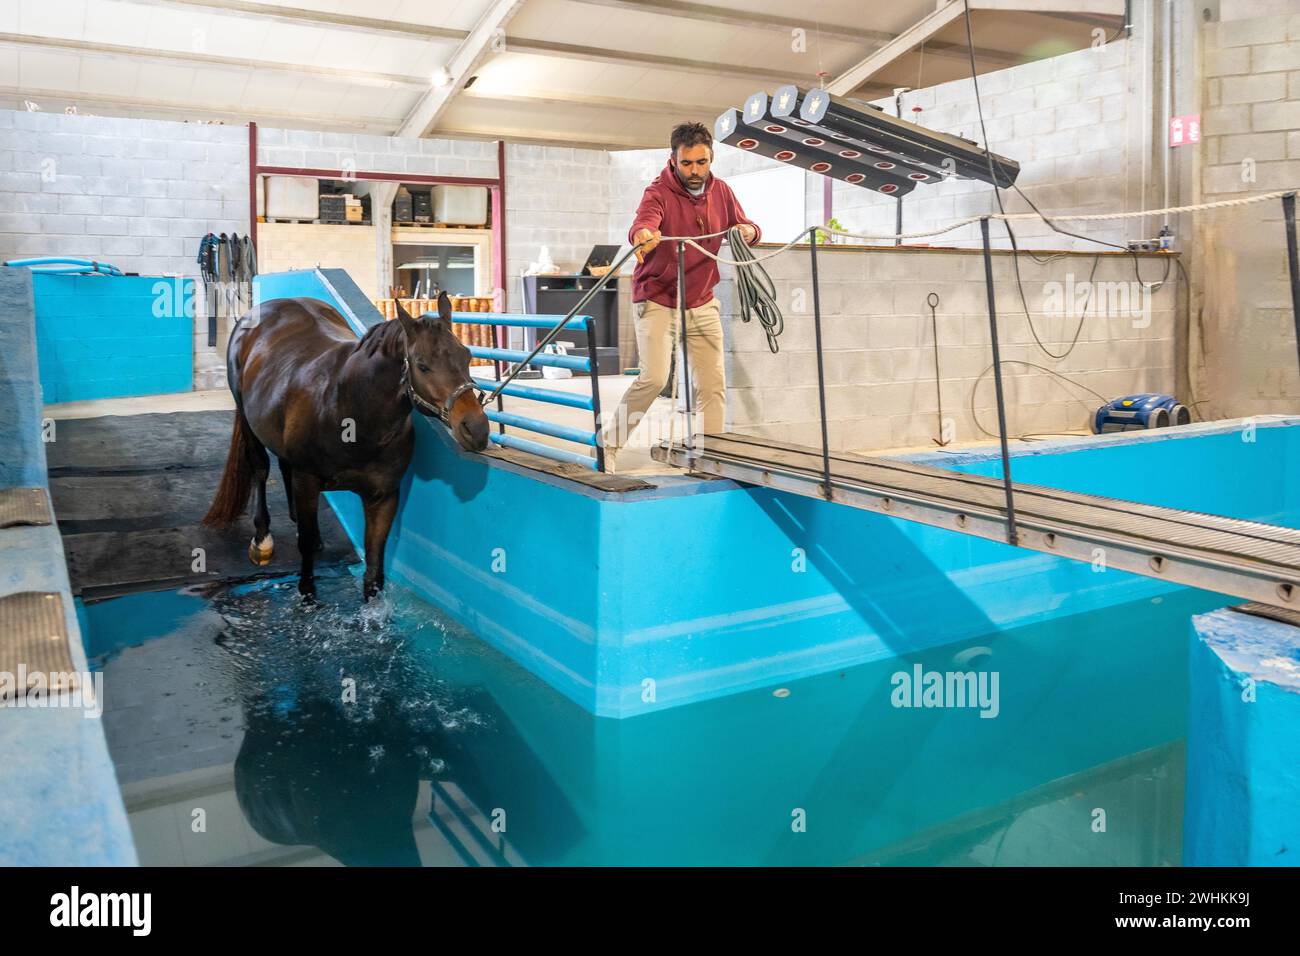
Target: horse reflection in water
{"type": "Point", "coordinates": [306, 775]}
{"type": "Point", "coordinates": [317, 769]}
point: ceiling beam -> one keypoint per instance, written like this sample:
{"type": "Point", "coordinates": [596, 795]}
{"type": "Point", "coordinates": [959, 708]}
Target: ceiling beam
{"type": "Point", "coordinates": [236, 113]}
{"type": "Point", "coordinates": [924, 31]}
{"type": "Point", "coordinates": [531, 138]}
{"type": "Point", "coordinates": [488, 35]}
{"type": "Point", "coordinates": [913, 36]}
{"type": "Point", "coordinates": [873, 90]}
{"type": "Point", "coordinates": [1071, 8]}
{"type": "Point", "coordinates": [593, 54]}
{"type": "Point", "coordinates": [567, 98]}
{"type": "Point", "coordinates": [1093, 20]}
{"type": "Point", "coordinates": [744, 18]}
{"type": "Point", "coordinates": [175, 58]}
{"type": "Point", "coordinates": [297, 16]}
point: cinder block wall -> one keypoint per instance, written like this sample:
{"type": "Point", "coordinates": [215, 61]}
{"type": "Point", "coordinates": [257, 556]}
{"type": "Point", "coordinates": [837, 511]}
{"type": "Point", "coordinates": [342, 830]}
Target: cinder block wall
{"type": "Point", "coordinates": [880, 362]}
{"type": "Point", "coordinates": [556, 197]}
{"type": "Point", "coordinates": [137, 193]}
{"type": "Point", "coordinates": [286, 246]}
{"type": "Point", "coordinates": [1244, 355]}
{"type": "Point", "coordinates": [381, 154]}
{"type": "Point", "coordinates": [1073, 122]}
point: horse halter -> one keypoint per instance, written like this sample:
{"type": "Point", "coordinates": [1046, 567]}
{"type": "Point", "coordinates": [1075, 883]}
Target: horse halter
{"type": "Point", "coordinates": [442, 414]}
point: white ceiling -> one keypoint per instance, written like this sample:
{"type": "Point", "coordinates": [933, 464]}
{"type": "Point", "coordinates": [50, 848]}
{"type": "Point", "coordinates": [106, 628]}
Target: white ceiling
{"type": "Point", "coordinates": [611, 73]}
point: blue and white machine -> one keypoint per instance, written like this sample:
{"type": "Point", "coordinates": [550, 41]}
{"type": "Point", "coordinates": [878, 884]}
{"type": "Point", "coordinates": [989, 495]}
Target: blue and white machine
{"type": "Point", "coordinates": [1135, 412]}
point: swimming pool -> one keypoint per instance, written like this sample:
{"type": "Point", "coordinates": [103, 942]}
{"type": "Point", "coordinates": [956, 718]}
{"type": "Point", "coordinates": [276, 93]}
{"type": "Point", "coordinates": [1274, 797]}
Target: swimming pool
{"type": "Point", "coordinates": [234, 706]}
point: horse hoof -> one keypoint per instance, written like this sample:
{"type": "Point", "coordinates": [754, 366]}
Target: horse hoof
{"type": "Point", "coordinates": [260, 554]}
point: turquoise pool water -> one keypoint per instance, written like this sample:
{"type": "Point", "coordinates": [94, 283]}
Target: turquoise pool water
{"type": "Point", "coordinates": [246, 728]}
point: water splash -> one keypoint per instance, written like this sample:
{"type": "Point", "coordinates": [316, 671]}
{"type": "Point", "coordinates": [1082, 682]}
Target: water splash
{"type": "Point", "coordinates": [373, 660]}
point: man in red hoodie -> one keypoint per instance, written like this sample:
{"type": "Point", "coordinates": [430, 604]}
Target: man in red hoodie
{"type": "Point", "coordinates": [686, 199]}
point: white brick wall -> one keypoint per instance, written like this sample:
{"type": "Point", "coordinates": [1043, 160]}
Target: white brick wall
{"type": "Point", "coordinates": [1070, 123]}
{"type": "Point", "coordinates": [287, 246]}
{"type": "Point", "coordinates": [1246, 363]}
{"type": "Point", "coordinates": [555, 197]}
{"type": "Point", "coordinates": [137, 193]}
{"type": "Point", "coordinates": [379, 154]}
{"type": "Point", "coordinates": [880, 371]}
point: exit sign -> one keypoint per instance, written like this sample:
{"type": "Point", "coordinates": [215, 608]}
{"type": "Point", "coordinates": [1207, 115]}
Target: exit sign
{"type": "Point", "coordinates": [1185, 130]}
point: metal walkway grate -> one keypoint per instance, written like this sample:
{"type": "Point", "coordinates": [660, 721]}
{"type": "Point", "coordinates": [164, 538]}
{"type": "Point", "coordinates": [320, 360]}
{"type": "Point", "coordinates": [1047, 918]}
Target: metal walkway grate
{"type": "Point", "coordinates": [1248, 559]}
{"type": "Point", "coordinates": [34, 639]}
{"type": "Point", "coordinates": [1284, 615]}
{"type": "Point", "coordinates": [24, 506]}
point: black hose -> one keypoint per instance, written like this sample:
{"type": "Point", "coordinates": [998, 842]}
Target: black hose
{"type": "Point", "coordinates": [755, 289]}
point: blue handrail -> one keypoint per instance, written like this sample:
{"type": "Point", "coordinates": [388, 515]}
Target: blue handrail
{"type": "Point", "coordinates": [496, 388]}
{"type": "Point", "coordinates": [575, 362]}
{"type": "Point", "coordinates": [568, 399]}
{"type": "Point", "coordinates": [545, 451]}
{"type": "Point", "coordinates": [566, 432]}
{"type": "Point", "coordinates": [578, 322]}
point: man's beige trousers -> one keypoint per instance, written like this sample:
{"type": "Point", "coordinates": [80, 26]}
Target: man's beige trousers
{"type": "Point", "coordinates": [655, 326]}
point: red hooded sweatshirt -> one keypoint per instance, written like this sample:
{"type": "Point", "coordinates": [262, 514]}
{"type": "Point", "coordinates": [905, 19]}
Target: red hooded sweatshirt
{"type": "Point", "coordinates": [669, 207]}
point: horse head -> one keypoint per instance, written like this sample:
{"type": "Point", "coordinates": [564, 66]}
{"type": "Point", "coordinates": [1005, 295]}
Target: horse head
{"type": "Point", "coordinates": [437, 375]}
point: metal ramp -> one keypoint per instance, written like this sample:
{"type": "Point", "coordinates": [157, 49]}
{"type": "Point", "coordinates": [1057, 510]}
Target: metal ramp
{"type": "Point", "coordinates": [1246, 559]}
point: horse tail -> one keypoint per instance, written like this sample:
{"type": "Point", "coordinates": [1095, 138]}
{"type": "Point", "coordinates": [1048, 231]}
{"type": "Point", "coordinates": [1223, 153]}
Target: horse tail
{"type": "Point", "coordinates": [236, 481]}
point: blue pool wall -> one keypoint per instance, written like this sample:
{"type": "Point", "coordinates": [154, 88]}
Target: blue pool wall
{"type": "Point", "coordinates": [113, 336]}
{"type": "Point", "coordinates": [59, 799]}
{"type": "Point", "coordinates": [1207, 473]}
{"type": "Point", "coordinates": [1243, 744]}
{"type": "Point", "coordinates": [708, 588]}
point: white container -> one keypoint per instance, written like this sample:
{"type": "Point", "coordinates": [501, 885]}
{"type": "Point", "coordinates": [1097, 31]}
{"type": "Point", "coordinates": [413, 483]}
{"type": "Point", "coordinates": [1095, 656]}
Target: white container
{"type": "Point", "coordinates": [556, 348]}
{"type": "Point", "coordinates": [292, 197]}
{"type": "Point", "coordinates": [460, 205]}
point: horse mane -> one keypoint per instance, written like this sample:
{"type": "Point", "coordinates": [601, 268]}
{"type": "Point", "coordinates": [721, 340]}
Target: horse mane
{"type": "Point", "coordinates": [384, 338]}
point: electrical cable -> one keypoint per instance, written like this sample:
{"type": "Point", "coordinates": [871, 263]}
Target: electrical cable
{"type": "Point", "coordinates": [997, 194]}
{"type": "Point", "coordinates": [1015, 258]}
{"type": "Point", "coordinates": [1042, 368]}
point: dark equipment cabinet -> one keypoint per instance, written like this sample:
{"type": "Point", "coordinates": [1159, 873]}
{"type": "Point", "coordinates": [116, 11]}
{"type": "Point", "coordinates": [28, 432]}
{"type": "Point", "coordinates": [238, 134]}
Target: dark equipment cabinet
{"type": "Point", "coordinates": [557, 294]}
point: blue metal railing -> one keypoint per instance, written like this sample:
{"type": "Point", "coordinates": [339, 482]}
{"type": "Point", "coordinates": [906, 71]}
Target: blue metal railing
{"type": "Point", "coordinates": [538, 394]}
{"type": "Point", "coordinates": [577, 363]}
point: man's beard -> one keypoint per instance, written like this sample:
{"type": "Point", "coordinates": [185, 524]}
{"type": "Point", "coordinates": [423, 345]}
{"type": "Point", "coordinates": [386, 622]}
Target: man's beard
{"type": "Point", "coordinates": [686, 181]}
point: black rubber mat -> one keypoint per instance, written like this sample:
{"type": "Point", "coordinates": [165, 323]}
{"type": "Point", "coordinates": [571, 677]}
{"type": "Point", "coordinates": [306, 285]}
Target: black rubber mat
{"type": "Point", "coordinates": [34, 639]}
{"type": "Point", "coordinates": [139, 444]}
{"type": "Point", "coordinates": [129, 493]}
{"type": "Point", "coordinates": [23, 506]}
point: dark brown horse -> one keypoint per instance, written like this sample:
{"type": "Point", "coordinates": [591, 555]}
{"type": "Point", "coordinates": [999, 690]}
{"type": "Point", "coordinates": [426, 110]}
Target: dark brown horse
{"type": "Point", "coordinates": [336, 413]}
